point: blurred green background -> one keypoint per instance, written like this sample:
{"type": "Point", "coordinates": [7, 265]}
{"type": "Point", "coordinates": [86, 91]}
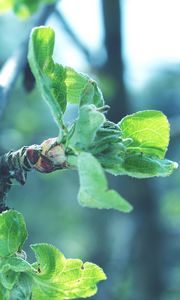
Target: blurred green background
{"type": "Point", "coordinates": [132, 48]}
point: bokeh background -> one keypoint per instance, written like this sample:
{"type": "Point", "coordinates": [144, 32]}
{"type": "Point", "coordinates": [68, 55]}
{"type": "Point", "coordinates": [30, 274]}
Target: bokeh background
{"type": "Point", "coordinates": [132, 48]}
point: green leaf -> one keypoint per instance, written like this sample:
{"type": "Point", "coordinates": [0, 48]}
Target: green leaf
{"type": "Point", "coordinates": [12, 232]}
{"type": "Point", "coordinates": [86, 127]}
{"type": "Point", "coordinates": [23, 288]}
{"type": "Point", "coordinates": [8, 279]}
{"type": "Point", "coordinates": [91, 94]}
{"type": "Point", "coordinates": [107, 138]}
{"type": "Point", "coordinates": [10, 268]}
{"type": "Point", "coordinates": [75, 83]}
{"type": "Point", "coordinates": [142, 166]}
{"type": "Point", "coordinates": [93, 186]}
{"type": "Point", "coordinates": [149, 131]}
{"type": "Point", "coordinates": [113, 158]}
{"type": "Point", "coordinates": [49, 76]}
{"type": "Point", "coordinates": [14, 263]}
{"type": "Point", "coordinates": [61, 278]}
{"type": "Point", "coordinates": [4, 293]}
{"type": "Point", "coordinates": [58, 85]}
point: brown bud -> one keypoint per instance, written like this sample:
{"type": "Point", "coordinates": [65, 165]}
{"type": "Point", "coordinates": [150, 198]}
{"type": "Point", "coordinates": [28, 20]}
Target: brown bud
{"type": "Point", "coordinates": [52, 157]}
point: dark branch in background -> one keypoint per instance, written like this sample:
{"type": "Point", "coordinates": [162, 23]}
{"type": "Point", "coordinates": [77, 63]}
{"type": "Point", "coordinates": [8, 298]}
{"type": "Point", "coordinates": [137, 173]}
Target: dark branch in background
{"type": "Point", "coordinates": [114, 68]}
{"type": "Point", "coordinates": [16, 63]}
{"type": "Point", "coordinates": [148, 241]}
{"type": "Point", "coordinates": [73, 35]}
{"type": "Point", "coordinates": [175, 126]}
{"type": "Point", "coordinates": [29, 80]}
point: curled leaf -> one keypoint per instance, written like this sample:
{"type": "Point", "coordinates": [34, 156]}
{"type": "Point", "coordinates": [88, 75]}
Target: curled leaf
{"type": "Point", "coordinates": [89, 121]}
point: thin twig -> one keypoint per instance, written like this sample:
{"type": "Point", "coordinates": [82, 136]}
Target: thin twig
{"type": "Point", "coordinates": [15, 64]}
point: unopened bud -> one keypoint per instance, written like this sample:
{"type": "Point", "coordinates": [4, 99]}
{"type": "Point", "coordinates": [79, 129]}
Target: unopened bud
{"type": "Point", "coordinates": [52, 157]}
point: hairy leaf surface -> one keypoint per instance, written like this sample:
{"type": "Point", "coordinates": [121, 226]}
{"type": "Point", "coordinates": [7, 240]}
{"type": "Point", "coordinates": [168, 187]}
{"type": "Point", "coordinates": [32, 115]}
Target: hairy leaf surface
{"type": "Point", "coordinates": [86, 126]}
{"type": "Point", "coordinates": [91, 94]}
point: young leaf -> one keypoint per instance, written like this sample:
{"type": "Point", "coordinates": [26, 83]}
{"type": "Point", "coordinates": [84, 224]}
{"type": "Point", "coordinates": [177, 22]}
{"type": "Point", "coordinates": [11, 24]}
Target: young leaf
{"type": "Point", "coordinates": [86, 127]}
{"type": "Point", "coordinates": [58, 85]}
{"type": "Point", "coordinates": [149, 130]}
{"type": "Point", "coordinates": [8, 279]}
{"type": "Point", "coordinates": [22, 290]}
{"type": "Point", "coordinates": [10, 267]}
{"type": "Point", "coordinates": [142, 166]}
{"type": "Point", "coordinates": [91, 94]}
{"type": "Point", "coordinates": [75, 83]}
{"type": "Point", "coordinates": [14, 263]}
{"type": "Point", "coordinates": [93, 186]}
{"type": "Point", "coordinates": [49, 76]}
{"type": "Point", "coordinates": [117, 162]}
{"type": "Point", "coordinates": [61, 278]}
{"type": "Point", "coordinates": [12, 232]}
{"type": "Point", "coordinates": [4, 293]}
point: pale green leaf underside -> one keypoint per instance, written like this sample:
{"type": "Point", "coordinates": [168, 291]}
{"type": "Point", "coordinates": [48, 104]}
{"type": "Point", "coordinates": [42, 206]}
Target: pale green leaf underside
{"type": "Point", "coordinates": [149, 131]}
{"type": "Point", "coordinates": [86, 127]}
{"type": "Point", "coordinates": [62, 278]}
{"type": "Point", "coordinates": [12, 232]}
{"type": "Point", "coordinates": [93, 186]}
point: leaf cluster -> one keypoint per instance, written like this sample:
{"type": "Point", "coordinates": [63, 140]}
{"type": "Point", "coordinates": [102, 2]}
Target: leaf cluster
{"type": "Point", "coordinates": [52, 276]}
{"type": "Point", "coordinates": [136, 146]}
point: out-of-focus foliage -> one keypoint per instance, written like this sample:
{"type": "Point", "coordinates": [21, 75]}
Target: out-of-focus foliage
{"type": "Point", "coordinates": [22, 8]}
